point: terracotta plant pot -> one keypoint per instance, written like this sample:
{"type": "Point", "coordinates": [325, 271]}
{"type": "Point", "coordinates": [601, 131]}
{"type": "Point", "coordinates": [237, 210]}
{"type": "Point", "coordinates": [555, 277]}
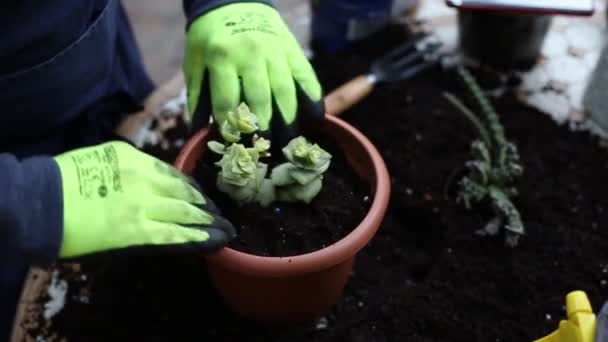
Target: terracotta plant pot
{"type": "Point", "coordinates": [305, 286]}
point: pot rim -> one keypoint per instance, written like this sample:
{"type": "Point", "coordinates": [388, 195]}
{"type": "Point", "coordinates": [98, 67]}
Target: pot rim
{"type": "Point", "coordinates": [321, 259]}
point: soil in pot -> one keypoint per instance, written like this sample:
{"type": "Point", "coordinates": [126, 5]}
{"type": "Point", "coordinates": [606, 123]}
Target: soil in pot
{"type": "Point", "coordinates": [287, 229]}
{"type": "Point", "coordinates": [426, 276]}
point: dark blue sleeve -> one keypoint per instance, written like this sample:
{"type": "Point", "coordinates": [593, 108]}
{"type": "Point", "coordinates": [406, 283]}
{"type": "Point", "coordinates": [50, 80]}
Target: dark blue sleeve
{"type": "Point", "coordinates": [194, 8]}
{"type": "Point", "coordinates": [31, 209]}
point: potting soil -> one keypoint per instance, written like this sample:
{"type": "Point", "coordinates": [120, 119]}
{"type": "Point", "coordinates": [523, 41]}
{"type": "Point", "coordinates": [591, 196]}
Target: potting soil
{"type": "Point", "coordinates": [427, 276]}
{"type": "Point", "coordinates": [287, 229]}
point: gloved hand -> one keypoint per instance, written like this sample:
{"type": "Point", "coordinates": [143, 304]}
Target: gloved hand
{"type": "Point", "coordinates": [116, 197]}
{"type": "Point", "coordinates": [248, 47]}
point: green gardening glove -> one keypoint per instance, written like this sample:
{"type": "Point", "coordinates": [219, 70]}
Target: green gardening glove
{"type": "Point", "coordinates": [116, 197]}
{"type": "Point", "coordinates": [245, 52]}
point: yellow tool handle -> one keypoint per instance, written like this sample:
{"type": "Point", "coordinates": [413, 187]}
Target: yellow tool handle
{"type": "Point", "coordinates": [348, 94]}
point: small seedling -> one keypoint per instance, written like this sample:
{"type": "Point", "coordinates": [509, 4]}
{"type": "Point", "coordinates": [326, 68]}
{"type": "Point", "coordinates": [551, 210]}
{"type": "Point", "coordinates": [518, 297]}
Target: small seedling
{"type": "Point", "coordinates": [243, 176]}
{"type": "Point", "coordinates": [301, 177]}
{"type": "Point", "coordinates": [494, 168]}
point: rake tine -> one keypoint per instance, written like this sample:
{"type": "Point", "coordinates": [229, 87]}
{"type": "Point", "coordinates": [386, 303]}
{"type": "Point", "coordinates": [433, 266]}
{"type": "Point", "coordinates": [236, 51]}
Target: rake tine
{"type": "Point", "coordinates": [413, 71]}
{"type": "Point", "coordinates": [401, 49]}
{"type": "Point", "coordinates": [426, 53]}
{"type": "Point", "coordinates": [407, 59]}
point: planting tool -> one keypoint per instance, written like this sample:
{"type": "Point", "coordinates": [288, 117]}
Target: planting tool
{"type": "Point", "coordinates": [569, 7]}
{"type": "Point", "coordinates": [581, 323]}
{"type": "Point", "coordinates": [402, 63]}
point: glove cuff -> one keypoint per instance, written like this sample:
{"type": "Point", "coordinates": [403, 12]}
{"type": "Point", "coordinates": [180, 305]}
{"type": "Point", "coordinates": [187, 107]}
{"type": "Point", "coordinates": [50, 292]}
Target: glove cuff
{"type": "Point", "coordinates": [195, 8]}
{"type": "Point", "coordinates": [40, 236]}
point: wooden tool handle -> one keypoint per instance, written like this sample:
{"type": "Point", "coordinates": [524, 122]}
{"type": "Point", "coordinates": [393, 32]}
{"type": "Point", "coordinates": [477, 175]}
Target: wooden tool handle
{"type": "Point", "coordinates": [348, 94]}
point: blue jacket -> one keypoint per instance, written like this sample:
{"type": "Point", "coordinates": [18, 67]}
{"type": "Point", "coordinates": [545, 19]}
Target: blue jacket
{"type": "Point", "coordinates": [69, 70]}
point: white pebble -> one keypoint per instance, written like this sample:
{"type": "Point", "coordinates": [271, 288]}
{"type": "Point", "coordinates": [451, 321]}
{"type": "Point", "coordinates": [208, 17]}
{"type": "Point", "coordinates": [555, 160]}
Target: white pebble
{"type": "Point", "coordinates": [548, 317]}
{"type": "Point", "coordinates": [322, 323]}
{"type": "Point", "coordinates": [167, 124]}
{"type": "Point", "coordinates": [164, 145]}
{"type": "Point", "coordinates": [152, 138]}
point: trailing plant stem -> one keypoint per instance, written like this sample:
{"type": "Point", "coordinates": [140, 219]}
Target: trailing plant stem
{"type": "Point", "coordinates": [471, 116]}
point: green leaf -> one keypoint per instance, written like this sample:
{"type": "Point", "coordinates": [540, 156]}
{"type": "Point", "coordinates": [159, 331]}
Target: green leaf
{"type": "Point", "coordinates": [237, 166]}
{"type": "Point", "coordinates": [480, 152]}
{"type": "Point", "coordinates": [471, 191]}
{"type": "Point", "coordinates": [483, 132]}
{"type": "Point", "coordinates": [266, 193]}
{"type": "Point", "coordinates": [304, 177]}
{"type": "Point", "coordinates": [216, 147]}
{"type": "Point", "coordinates": [240, 194]}
{"type": "Point", "coordinates": [306, 155]}
{"type": "Point", "coordinates": [300, 193]}
{"type": "Point", "coordinates": [244, 120]}
{"type": "Point", "coordinates": [281, 174]}
{"type": "Point", "coordinates": [229, 133]}
{"type": "Point", "coordinates": [507, 209]}
{"type": "Point", "coordinates": [261, 145]}
{"type": "Point", "coordinates": [261, 173]}
{"type": "Point", "coordinates": [478, 171]}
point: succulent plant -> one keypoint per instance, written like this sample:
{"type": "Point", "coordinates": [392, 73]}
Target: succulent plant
{"type": "Point", "coordinates": [241, 120]}
{"type": "Point", "coordinates": [243, 177]}
{"type": "Point", "coordinates": [494, 168]}
{"type": "Point", "coordinates": [301, 177]}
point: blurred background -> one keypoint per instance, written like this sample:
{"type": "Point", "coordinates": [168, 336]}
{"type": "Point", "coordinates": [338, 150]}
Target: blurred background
{"type": "Point", "coordinates": [555, 85]}
{"type": "Point", "coordinates": [159, 26]}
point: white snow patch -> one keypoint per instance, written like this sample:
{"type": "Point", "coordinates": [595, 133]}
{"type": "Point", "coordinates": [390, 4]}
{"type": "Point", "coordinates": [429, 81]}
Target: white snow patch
{"type": "Point", "coordinates": [535, 80]}
{"type": "Point", "coordinates": [583, 36]}
{"type": "Point", "coordinates": [576, 93]}
{"type": "Point", "coordinates": [567, 69]}
{"type": "Point", "coordinates": [550, 103]}
{"type": "Point", "coordinates": [57, 291]}
{"type": "Point", "coordinates": [555, 45]}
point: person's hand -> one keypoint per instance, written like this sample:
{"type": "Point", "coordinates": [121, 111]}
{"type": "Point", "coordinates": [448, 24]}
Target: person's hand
{"type": "Point", "coordinates": [248, 47]}
{"type": "Point", "coordinates": [116, 197]}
